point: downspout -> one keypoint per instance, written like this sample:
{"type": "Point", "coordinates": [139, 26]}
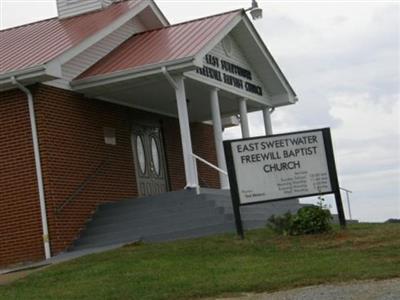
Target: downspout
{"type": "Point", "coordinates": [36, 150]}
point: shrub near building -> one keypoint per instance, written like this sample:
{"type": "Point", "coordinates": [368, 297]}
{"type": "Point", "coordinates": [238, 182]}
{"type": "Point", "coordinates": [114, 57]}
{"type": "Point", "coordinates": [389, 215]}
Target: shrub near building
{"type": "Point", "coordinates": [308, 220]}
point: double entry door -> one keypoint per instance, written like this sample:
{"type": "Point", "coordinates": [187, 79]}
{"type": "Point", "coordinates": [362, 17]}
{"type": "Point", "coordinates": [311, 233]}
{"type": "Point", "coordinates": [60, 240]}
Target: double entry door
{"type": "Point", "coordinates": [149, 157]}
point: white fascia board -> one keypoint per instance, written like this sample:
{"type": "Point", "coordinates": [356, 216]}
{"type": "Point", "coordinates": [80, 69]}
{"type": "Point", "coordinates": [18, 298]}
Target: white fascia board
{"type": "Point", "coordinates": [263, 100]}
{"type": "Point", "coordinates": [283, 99]}
{"type": "Point", "coordinates": [38, 70]}
{"type": "Point", "coordinates": [59, 83]}
{"type": "Point", "coordinates": [52, 69]}
{"type": "Point", "coordinates": [270, 59]}
{"type": "Point", "coordinates": [74, 51]}
{"type": "Point", "coordinates": [157, 11]}
{"type": "Point", "coordinates": [25, 76]}
{"type": "Point", "coordinates": [182, 65]}
{"type": "Point", "coordinates": [218, 38]}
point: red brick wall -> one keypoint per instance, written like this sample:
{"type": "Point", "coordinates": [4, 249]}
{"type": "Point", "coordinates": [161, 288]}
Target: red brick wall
{"type": "Point", "coordinates": [204, 146]}
{"type": "Point", "coordinates": [20, 222]}
{"type": "Point", "coordinates": [72, 146]}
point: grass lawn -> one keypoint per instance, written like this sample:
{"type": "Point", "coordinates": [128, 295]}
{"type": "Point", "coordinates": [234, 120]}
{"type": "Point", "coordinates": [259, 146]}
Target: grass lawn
{"type": "Point", "coordinates": [219, 265]}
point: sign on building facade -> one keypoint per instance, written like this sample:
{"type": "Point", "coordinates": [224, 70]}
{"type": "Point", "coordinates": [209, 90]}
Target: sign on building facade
{"type": "Point", "coordinates": [229, 73]}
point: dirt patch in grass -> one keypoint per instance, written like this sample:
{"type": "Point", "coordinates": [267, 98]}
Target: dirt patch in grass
{"type": "Point", "coordinates": [11, 277]}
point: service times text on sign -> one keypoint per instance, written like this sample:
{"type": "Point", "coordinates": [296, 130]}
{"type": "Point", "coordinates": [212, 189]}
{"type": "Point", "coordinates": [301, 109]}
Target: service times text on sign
{"type": "Point", "coordinates": [281, 167]}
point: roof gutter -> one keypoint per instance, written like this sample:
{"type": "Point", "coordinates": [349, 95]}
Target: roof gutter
{"type": "Point", "coordinates": [183, 65]}
{"type": "Point", "coordinates": [36, 150]}
{"type": "Point", "coordinates": [33, 71]}
{"type": "Point", "coordinates": [31, 75]}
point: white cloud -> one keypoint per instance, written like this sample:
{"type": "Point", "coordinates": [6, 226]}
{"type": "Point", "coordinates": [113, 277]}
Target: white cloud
{"type": "Point", "coordinates": [365, 116]}
{"type": "Point", "coordinates": [368, 152]}
{"type": "Point", "coordinates": [19, 12]}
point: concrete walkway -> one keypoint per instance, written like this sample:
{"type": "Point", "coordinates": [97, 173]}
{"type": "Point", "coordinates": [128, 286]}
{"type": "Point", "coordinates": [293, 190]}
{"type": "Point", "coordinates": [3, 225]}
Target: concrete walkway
{"type": "Point", "coordinates": [355, 290]}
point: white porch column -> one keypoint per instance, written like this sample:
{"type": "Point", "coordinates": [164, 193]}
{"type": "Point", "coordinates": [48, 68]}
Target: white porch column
{"type": "Point", "coordinates": [244, 121]}
{"type": "Point", "coordinates": [190, 169]}
{"type": "Point", "coordinates": [219, 147]}
{"type": "Point", "coordinates": [267, 121]}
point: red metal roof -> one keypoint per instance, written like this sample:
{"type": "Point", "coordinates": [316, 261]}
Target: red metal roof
{"type": "Point", "coordinates": [37, 43]}
{"type": "Point", "coordinates": [170, 43]}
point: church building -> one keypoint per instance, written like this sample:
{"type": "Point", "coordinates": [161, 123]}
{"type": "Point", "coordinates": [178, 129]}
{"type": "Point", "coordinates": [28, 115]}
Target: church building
{"type": "Point", "coordinates": [109, 101]}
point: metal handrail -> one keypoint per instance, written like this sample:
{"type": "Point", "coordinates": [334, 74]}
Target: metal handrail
{"type": "Point", "coordinates": [348, 200]}
{"type": "Point", "coordinates": [209, 164]}
{"type": "Point", "coordinates": [346, 190]}
{"type": "Point", "coordinates": [82, 186]}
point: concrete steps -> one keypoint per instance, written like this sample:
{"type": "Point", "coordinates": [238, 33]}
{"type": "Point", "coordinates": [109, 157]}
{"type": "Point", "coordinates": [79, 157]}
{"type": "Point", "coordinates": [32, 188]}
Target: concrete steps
{"type": "Point", "coordinates": [172, 216]}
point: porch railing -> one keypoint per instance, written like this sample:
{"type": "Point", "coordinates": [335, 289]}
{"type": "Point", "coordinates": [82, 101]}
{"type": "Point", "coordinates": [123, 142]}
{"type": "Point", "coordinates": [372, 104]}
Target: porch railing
{"type": "Point", "coordinates": [209, 164]}
{"type": "Point", "coordinates": [347, 191]}
{"type": "Point", "coordinates": [82, 186]}
{"type": "Point", "coordinates": [206, 162]}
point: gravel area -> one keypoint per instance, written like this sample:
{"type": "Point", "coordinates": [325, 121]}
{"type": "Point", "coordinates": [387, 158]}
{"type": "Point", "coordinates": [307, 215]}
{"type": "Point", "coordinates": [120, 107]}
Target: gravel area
{"type": "Point", "coordinates": [356, 290]}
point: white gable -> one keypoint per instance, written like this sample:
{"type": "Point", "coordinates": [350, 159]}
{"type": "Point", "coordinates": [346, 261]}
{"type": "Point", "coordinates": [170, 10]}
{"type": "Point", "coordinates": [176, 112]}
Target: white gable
{"type": "Point", "coordinates": [227, 68]}
{"type": "Point", "coordinates": [247, 51]}
{"type": "Point", "coordinates": [229, 51]}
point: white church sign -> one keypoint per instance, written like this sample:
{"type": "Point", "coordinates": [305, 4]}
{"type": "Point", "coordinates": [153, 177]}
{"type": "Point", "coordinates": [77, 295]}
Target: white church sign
{"type": "Point", "coordinates": [282, 167]}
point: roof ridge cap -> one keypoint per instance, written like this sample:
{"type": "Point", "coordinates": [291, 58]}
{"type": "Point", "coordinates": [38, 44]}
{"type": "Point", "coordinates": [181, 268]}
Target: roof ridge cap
{"type": "Point", "coordinates": [190, 21]}
{"type": "Point", "coordinates": [206, 17]}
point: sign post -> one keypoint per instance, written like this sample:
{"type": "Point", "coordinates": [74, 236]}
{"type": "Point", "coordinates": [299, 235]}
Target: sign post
{"type": "Point", "coordinates": [334, 178]}
{"type": "Point", "coordinates": [234, 190]}
{"type": "Point", "coordinates": [282, 167]}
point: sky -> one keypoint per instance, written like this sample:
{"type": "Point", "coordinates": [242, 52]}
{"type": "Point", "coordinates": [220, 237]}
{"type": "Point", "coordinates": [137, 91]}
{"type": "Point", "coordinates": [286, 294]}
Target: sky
{"type": "Point", "coordinates": [343, 60]}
